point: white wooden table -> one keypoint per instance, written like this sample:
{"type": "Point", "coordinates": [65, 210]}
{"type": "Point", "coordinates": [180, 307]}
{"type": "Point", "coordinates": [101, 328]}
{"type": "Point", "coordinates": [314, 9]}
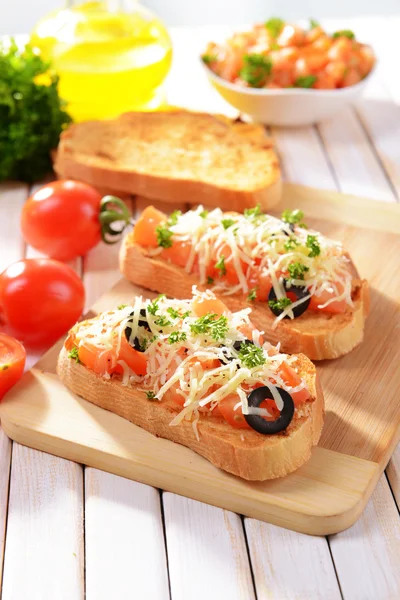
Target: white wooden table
{"type": "Point", "coordinates": [67, 531]}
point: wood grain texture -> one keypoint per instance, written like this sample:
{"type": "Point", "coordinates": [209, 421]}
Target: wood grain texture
{"type": "Point", "coordinates": [124, 539]}
{"type": "Point", "coordinates": [289, 565]}
{"type": "Point", "coordinates": [44, 546]}
{"type": "Point", "coordinates": [207, 553]}
{"type": "Point", "coordinates": [367, 555]}
{"type": "Point", "coordinates": [5, 457]}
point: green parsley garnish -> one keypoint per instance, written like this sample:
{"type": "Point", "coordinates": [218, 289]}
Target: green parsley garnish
{"type": "Point", "coordinates": [208, 58]}
{"type": "Point", "coordinates": [122, 306]}
{"type": "Point", "coordinates": [305, 82]}
{"type": "Point", "coordinates": [150, 395]}
{"type": "Point", "coordinates": [162, 321]}
{"type": "Point", "coordinates": [204, 214]}
{"type": "Point", "coordinates": [210, 280]}
{"type": "Point", "coordinates": [344, 33]}
{"type": "Point", "coordinates": [164, 236]}
{"type": "Point", "coordinates": [210, 324]}
{"type": "Point", "coordinates": [176, 337]}
{"type": "Point", "coordinates": [313, 245]}
{"type": "Point", "coordinates": [251, 356]}
{"type": "Point", "coordinates": [255, 70]}
{"type": "Point", "coordinates": [253, 213]}
{"type": "Point", "coordinates": [293, 217]}
{"type": "Point", "coordinates": [291, 244]}
{"type": "Point", "coordinates": [220, 265]}
{"type": "Point", "coordinates": [227, 223]}
{"type": "Point", "coordinates": [274, 26]}
{"type": "Point", "coordinates": [297, 270]}
{"type": "Point", "coordinates": [252, 295]}
{"type": "Point", "coordinates": [279, 303]}
{"type": "Point", "coordinates": [153, 307]}
{"type": "Point", "coordinates": [313, 23]}
{"type": "Point", "coordinates": [175, 314]}
{"type": "Point", "coordinates": [74, 354]}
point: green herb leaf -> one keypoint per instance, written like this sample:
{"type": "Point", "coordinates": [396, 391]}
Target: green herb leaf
{"type": "Point", "coordinates": [220, 265]}
{"type": "Point", "coordinates": [74, 354]}
{"type": "Point", "coordinates": [291, 244]}
{"type": "Point", "coordinates": [162, 321]}
{"type": "Point", "coordinates": [150, 395]}
{"type": "Point", "coordinates": [32, 116]}
{"type": "Point", "coordinates": [227, 223]}
{"type": "Point", "coordinates": [293, 217]}
{"type": "Point", "coordinates": [251, 355]}
{"type": "Point", "coordinates": [255, 70]}
{"type": "Point", "coordinates": [176, 314]}
{"type": "Point", "coordinates": [210, 280]}
{"type": "Point", "coordinates": [274, 26]}
{"type": "Point", "coordinates": [280, 303]}
{"type": "Point", "coordinates": [176, 337]}
{"type": "Point", "coordinates": [252, 295]}
{"type": "Point", "coordinates": [313, 23]}
{"type": "Point", "coordinates": [164, 236]}
{"type": "Point", "coordinates": [204, 214]}
{"type": "Point", "coordinates": [344, 33]}
{"type": "Point", "coordinates": [211, 325]}
{"type": "Point", "coordinates": [297, 270]}
{"type": "Point", "coordinates": [153, 307]}
{"type": "Point", "coordinates": [253, 213]}
{"type": "Point", "coordinates": [173, 217]}
{"type": "Point", "coordinates": [122, 306]}
{"type": "Point", "coordinates": [313, 245]}
{"type": "Point", "coordinates": [208, 58]}
{"type": "Point", "coordinates": [305, 82]}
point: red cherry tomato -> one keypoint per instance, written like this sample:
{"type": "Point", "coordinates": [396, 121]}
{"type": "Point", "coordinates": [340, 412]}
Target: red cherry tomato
{"type": "Point", "coordinates": [12, 362]}
{"type": "Point", "coordinates": [62, 219]}
{"type": "Point", "coordinates": [40, 299]}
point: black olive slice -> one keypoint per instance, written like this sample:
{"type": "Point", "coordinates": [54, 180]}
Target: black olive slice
{"type": "Point", "coordinates": [291, 227]}
{"type": "Point", "coordinates": [128, 330]}
{"type": "Point", "coordinates": [261, 425]}
{"type": "Point", "coordinates": [237, 346]}
{"type": "Point", "coordinates": [298, 291]}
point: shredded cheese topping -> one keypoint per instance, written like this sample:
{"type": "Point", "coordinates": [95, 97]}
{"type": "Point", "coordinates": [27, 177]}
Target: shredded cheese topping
{"type": "Point", "coordinates": [254, 246]}
{"type": "Point", "coordinates": [190, 357]}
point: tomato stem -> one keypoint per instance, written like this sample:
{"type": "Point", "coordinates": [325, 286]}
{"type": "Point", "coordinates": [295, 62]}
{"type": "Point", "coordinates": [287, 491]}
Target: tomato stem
{"type": "Point", "coordinates": [114, 217]}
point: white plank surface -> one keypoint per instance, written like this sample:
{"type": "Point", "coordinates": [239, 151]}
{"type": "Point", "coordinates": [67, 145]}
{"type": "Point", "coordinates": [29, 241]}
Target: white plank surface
{"type": "Point", "coordinates": [207, 554]}
{"type": "Point", "coordinates": [125, 550]}
{"type": "Point", "coordinates": [44, 545]}
{"type": "Point", "coordinates": [5, 456]}
{"type": "Point", "coordinates": [289, 565]}
{"type": "Point", "coordinates": [367, 556]}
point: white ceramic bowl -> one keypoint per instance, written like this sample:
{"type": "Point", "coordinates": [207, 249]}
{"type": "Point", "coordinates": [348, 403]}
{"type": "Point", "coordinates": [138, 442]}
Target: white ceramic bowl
{"type": "Point", "coordinates": [286, 106]}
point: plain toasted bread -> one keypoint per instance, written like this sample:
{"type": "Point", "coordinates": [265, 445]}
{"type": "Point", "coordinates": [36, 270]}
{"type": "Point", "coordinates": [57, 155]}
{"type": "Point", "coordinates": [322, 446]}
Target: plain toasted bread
{"type": "Point", "coordinates": [174, 156]}
{"type": "Point", "coordinates": [318, 335]}
{"type": "Point", "coordinates": [245, 453]}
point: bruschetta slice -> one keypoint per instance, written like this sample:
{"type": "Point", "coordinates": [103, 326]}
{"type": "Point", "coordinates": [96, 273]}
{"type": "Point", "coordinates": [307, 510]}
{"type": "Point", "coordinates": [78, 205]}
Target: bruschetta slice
{"type": "Point", "coordinates": [195, 373]}
{"type": "Point", "coordinates": [303, 288]}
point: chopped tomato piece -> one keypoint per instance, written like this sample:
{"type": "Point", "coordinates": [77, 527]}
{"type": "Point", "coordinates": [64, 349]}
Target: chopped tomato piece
{"type": "Point", "coordinates": [336, 307]}
{"type": "Point", "coordinates": [231, 416]}
{"type": "Point", "coordinates": [203, 306]}
{"type": "Point", "coordinates": [178, 254]}
{"type": "Point", "coordinates": [173, 395]}
{"type": "Point", "coordinates": [292, 378]}
{"type": "Point", "coordinates": [137, 361]}
{"type": "Point", "coordinates": [96, 359]}
{"type": "Point", "coordinates": [144, 232]}
{"type": "Point", "coordinates": [12, 362]}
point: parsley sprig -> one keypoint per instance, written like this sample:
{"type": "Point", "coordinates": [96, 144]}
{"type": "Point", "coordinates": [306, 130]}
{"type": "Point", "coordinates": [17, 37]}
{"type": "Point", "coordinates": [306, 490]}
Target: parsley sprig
{"type": "Point", "coordinates": [176, 314]}
{"type": "Point", "coordinates": [150, 395]}
{"type": "Point", "coordinates": [252, 295]}
{"type": "Point", "coordinates": [313, 246]}
{"type": "Point", "coordinates": [164, 233]}
{"type": "Point", "coordinates": [176, 337]}
{"type": "Point", "coordinates": [251, 356]}
{"type": "Point", "coordinates": [256, 69]}
{"type": "Point", "coordinates": [291, 244]}
{"type": "Point", "coordinates": [254, 213]}
{"type": "Point", "coordinates": [220, 265]}
{"type": "Point", "coordinates": [297, 270]}
{"type": "Point", "coordinates": [227, 223]}
{"type": "Point", "coordinates": [293, 217]}
{"type": "Point", "coordinates": [153, 307]}
{"type": "Point", "coordinates": [280, 303]}
{"type": "Point", "coordinates": [74, 354]}
{"type": "Point", "coordinates": [274, 26]}
{"type": "Point", "coordinates": [211, 324]}
{"type": "Point", "coordinates": [344, 33]}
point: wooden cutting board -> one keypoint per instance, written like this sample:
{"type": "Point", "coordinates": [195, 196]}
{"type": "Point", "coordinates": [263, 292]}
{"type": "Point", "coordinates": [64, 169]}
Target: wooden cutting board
{"type": "Point", "coordinates": [362, 424]}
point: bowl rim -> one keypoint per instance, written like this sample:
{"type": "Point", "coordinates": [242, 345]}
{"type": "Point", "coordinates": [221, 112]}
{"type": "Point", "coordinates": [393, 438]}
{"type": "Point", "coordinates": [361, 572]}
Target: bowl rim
{"type": "Point", "coordinates": [286, 91]}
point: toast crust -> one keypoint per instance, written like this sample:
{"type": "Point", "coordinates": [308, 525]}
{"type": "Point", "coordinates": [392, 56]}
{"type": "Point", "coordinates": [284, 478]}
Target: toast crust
{"type": "Point", "coordinates": [105, 154]}
{"type": "Point", "coordinates": [244, 453]}
{"type": "Point", "coordinates": [317, 335]}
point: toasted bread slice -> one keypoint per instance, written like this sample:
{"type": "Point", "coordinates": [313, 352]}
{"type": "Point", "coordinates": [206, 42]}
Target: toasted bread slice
{"type": "Point", "coordinates": [174, 155]}
{"type": "Point", "coordinates": [245, 453]}
{"type": "Point", "coordinates": [318, 335]}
